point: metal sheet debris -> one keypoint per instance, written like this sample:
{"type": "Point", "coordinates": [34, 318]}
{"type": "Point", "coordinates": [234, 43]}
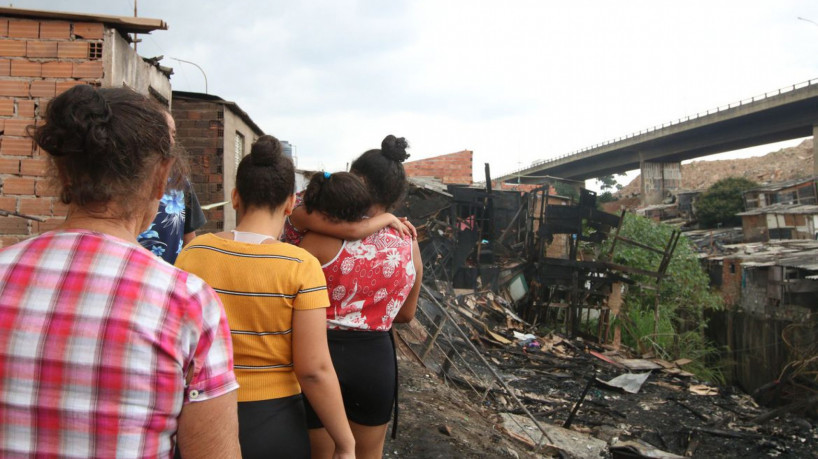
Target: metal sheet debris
{"type": "Point", "coordinates": [629, 382]}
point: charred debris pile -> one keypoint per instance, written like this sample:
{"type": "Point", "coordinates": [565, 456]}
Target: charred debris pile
{"type": "Point", "coordinates": [518, 308]}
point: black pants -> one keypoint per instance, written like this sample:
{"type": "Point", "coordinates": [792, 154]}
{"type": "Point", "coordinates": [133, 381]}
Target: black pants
{"type": "Point", "coordinates": [365, 364]}
{"type": "Point", "coordinates": [273, 428]}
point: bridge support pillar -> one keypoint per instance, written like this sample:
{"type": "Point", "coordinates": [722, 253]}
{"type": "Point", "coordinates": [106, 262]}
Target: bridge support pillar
{"type": "Point", "coordinates": [659, 181]}
{"type": "Point", "coordinates": [815, 151]}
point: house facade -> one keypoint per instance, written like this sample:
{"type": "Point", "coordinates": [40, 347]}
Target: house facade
{"type": "Point", "coordinates": [453, 168]}
{"type": "Point", "coordinates": [217, 134]}
{"type": "Point", "coordinates": [42, 54]}
{"type": "Point", "coordinates": [780, 221]}
{"type": "Point", "coordinates": [798, 191]}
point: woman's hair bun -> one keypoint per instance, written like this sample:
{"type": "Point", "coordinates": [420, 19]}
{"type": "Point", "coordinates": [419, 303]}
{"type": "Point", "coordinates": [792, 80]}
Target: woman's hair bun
{"type": "Point", "coordinates": [394, 148]}
{"type": "Point", "coordinates": [265, 151]}
{"type": "Point", "coordinates": [78, 123]}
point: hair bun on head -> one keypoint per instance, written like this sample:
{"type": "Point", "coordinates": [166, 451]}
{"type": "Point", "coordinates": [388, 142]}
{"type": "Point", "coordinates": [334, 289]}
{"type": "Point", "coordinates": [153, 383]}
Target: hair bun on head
{"type": "Point", "coordinates": [394, 148]}
{"type": "Point", "coordinates": [78, 122]}
{"type": "Point", "coordinates": [265, 151]}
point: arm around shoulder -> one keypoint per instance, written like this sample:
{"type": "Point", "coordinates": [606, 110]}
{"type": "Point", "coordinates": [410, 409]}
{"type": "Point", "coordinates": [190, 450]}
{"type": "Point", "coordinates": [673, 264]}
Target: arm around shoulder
{"type": "Point", "coordinates": [351, 231]}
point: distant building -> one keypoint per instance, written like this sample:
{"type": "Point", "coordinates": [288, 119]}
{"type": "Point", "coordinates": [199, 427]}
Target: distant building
{"type": "Point", "coordinates": [42, 54]}
{"type": "Point", "coordinates": [686, 202]}
{"type": "Point", "coordinates": [780, 221]}
{"type": "Point", "coordinates": [217, 134]}
{"type": "Point", "coordinates": [288, 148]}
{"type": "Point", "coordinates": [768, 288]}
{"type": "Point", "coordinates": [797, 191]}
{"type": "Point", "coordinates": [453, 168]}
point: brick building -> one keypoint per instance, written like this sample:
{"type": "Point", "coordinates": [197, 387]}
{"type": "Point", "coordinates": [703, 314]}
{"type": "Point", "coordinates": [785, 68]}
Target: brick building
{"type": "Point", "coordinates": [43, 53]}
{"type": "Point", "coordinates": [216, 134]}
{"type": "Point", "coordinates": [454, 168]}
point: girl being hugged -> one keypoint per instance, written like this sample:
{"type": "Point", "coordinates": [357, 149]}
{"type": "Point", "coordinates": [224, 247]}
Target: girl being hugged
{"type": "Point", "coordinates": [336, 223]}
{"type": "Point", "coordinates": [372, 283]}
{"type": "Point", "coordinates": [275, 296]}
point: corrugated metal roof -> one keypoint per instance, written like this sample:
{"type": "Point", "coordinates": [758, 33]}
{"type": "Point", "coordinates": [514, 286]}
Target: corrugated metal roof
{"type": "Point", "coordinates": [794, 253]}
{"type": "Point", "coordinates": [783, 209]}
{"type": "Point", "coordinates": [127, 24]}
{"type": "Point", "coordinates": [429, 183]}
{"type": "Point", "coordinates": [781, 185]}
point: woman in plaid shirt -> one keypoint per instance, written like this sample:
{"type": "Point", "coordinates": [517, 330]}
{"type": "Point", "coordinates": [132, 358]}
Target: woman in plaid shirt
{"type": "Point", "coordinates": [105, 350]}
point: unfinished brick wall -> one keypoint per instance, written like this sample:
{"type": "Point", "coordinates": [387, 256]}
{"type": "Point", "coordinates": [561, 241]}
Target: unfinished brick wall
{"type": "Point", "coordinates": [454, 168]}
{"type": "Point", "coordinates": [522, 187]}
{"type": "Point", "coordinates": [731, 281]}
{"type": "Point", "coordinates": [38, 60]}
{"type": "Point", "coordinates": [200, 130]}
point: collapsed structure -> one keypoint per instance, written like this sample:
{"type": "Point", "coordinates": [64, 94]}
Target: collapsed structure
{"type": "Point", "coordinates": [500, 264]}
{"type": "Point", "coordinates": [543, 249]}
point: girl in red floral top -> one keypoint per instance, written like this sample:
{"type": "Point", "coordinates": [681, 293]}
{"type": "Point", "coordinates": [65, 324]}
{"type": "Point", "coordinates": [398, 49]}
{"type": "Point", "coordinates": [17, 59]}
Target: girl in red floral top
{"type": "Point", "coordinates": [372, 282]}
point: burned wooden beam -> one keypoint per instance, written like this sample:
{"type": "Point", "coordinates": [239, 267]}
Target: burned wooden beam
{"type": "Point", "coordinates": [697, 413]}
{"type": "Point", "coordinates": [796, 406]}
{"type": "Point", "coordinates": [588, 385]}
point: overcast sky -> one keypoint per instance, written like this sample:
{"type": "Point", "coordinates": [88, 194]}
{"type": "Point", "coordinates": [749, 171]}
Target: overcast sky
{"type": "Point", "coordinates": [514, 81]}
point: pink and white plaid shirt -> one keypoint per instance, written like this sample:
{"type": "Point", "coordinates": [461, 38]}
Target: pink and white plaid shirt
{"type": "Point", "coordinates": [97, 337]}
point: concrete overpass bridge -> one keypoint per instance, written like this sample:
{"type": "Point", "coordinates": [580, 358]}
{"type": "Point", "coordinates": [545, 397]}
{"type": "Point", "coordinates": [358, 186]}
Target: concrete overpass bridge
{"type": "Point", "coordinates": [784, 114]}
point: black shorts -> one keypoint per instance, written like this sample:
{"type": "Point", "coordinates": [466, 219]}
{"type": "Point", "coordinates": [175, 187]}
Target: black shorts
{"type": "Point", "coordinates": [273, 428]}
{"type": "Point", "coordinates": [365, 364]}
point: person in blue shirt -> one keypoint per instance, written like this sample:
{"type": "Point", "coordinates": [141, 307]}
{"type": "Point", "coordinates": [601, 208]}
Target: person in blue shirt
{"type": "Point", "coordinates": [178, 217]}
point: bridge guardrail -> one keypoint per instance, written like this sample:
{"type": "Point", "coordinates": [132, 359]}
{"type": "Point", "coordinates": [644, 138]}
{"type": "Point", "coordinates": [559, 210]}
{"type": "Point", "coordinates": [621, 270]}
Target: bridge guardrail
{"type": "Point", "coordinates": [683, 119]}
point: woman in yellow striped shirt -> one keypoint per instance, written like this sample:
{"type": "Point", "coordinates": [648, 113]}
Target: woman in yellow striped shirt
{"type": "Point", "coordinates": [275, 297]}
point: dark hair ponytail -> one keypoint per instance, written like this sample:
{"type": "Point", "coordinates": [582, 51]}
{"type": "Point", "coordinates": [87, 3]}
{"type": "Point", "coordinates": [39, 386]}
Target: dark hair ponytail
{"type": "Point", "coordinates": [265, 178]}
{"type": "Point", "coordinates": [394, 148]}
{"type": "Point", "coordinates": [383, 172]}
{"type": "Point", "coordinates": [340, 196]}
{"type": "Point", "coordinates": [103, 143]}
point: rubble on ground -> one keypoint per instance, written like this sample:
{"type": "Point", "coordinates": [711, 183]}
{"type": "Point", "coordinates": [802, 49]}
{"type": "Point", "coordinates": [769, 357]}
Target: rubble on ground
{"type": "Point", "coordinates": [529, 386]}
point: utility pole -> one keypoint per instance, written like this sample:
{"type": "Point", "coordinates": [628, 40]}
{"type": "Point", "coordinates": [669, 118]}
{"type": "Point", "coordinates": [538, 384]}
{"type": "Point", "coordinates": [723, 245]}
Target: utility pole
{"type": "Point", "coordinates": [135, 40]}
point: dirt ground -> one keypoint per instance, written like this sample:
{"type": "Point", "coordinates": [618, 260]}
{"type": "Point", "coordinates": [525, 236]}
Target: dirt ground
{"type": "Point", "coordinates": [439, 418]}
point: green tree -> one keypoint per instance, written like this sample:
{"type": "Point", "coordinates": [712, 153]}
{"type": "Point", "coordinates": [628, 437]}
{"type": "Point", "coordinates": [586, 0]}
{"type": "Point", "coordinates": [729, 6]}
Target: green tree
{"type": "Point", "coordinates": [609, 182]}
{"type": "Point", "coordinates": [606, 196]}
{"type": "Point", "coordinates": [721, 202]}
{"type": "Point", "coordinates": [566, 189]}
{"type": "Point", "coordinates": [684, 296]}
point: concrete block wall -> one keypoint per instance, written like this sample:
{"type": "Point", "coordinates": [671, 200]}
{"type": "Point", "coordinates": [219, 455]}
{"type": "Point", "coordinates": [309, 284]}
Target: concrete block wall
{"type": "Point", "coordinates": [38, 60]}
{"type": "Point", "coordinates": [200, 130]}
{"type": "Point", "coordinates": [454, 168]}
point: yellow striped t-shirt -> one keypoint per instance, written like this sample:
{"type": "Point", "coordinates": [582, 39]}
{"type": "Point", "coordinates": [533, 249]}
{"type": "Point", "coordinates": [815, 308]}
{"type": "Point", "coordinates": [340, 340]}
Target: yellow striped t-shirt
{"type": "Point", "coordinates": [260, 286]}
